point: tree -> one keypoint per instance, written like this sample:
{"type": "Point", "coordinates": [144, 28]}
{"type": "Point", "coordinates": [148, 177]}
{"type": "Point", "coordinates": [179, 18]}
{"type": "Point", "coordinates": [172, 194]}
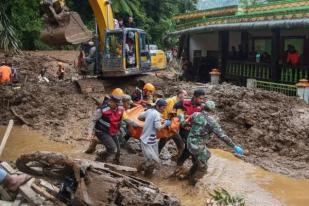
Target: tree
{"type": "Point", "coordinates": [25, 17]}
{"type": "Point", "coordinates": [152, 16]}
{"type": "Point", "coordinates": [8, 38]}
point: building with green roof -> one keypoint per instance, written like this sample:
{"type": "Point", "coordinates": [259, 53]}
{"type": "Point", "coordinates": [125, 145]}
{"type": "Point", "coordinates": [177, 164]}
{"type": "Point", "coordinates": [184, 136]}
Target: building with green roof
{"type": "Point", "coordinates": [267, 41]}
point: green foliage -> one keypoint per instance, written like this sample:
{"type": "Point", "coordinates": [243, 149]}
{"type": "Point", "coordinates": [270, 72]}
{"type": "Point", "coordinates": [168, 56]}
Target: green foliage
{"type": "Point", "coordinates": [8, 38]}
{"type": "Point", "coordinates": [152, 16]}
{"type": "Point", "coordinates": [25, 17]}
{"type": "Point", "coordinates": [222, 197]}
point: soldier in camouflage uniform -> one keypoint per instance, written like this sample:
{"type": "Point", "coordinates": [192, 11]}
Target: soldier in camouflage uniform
{"type": "Point", "coordinates": [200, 134]}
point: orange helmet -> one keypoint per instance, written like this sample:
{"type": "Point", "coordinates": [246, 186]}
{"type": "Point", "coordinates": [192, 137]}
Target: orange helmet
{"type": "Point", "coordinates": [117, 92]}
{"type": "Point", "coordinates": [149, 87]}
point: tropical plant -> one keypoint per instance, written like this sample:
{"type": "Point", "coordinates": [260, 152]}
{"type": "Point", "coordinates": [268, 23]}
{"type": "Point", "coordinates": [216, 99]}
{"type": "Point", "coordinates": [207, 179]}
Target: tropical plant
{"type": "Point", "coordinates": [8, 38]}
{"type": "Point", "coordinates": [223, 198]}
{"type": "Point", "coordinates": [129, 7]}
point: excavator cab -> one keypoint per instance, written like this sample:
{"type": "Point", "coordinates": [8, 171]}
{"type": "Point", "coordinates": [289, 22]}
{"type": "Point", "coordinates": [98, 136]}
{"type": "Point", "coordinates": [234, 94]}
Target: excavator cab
{"type": "Point", "coordinates": [125, 53]}
{"type": "Point", "coordinates": [62, 26]}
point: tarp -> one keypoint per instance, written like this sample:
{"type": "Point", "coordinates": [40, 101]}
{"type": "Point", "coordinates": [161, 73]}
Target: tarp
{"type": "Point", "coordinates": [136, 132]}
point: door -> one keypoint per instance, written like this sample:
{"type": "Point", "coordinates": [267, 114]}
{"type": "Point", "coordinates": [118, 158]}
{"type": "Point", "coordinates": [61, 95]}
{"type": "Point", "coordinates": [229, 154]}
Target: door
{"type": "Point", "coordinates": [144, 53]}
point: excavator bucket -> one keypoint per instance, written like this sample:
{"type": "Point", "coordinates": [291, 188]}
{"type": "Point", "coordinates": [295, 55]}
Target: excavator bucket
{"type": "Point", "coordinates": [71, 31]}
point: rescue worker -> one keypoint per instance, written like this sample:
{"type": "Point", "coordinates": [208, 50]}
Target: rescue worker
{"type": "Point", "coordinates": [203, 126]}
{"type": "Point", "coordinates": [144, 97]}
{"type": "Point", "coordinates": [188, 107]}
{"type": "Point", "coordinates": [148, 139]}
{"type": "Point", "coordinates": [123, 134]}
{"type": "Point", "coordinates": [91, 135]}
{"type": "Point", "coordinates": [90, 58]}
{"type": "Point", "coordinates": [60, 71]}
{"type": "Point", "coordinates": [5, 73]}
{"type": "Point", "coordinates": [181, 96]}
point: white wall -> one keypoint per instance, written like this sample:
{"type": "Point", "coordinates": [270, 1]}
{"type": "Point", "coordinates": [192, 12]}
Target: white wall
{"type": "Point", "coordinates": [204, 42]}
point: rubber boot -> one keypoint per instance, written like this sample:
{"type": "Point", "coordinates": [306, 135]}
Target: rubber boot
{"type": "Point", "coordinates": [91, 147]}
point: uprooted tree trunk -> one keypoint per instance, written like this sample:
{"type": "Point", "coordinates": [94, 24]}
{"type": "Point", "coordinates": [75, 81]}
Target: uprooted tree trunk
{"type": "Point", "coordinates": [94, 183]}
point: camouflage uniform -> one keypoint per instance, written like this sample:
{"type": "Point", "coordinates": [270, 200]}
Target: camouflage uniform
{"type": "Point", "coordinates": [200, 134]}
{"type": "Point", "coordinates": [123, 132]}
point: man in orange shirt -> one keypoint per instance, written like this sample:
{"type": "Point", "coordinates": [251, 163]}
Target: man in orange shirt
{"type": "Point", "coordinates": [5, 73]}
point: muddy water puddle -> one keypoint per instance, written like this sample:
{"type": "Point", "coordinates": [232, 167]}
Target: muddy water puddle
{"type": "Point", "coordinates": [266, 187]}
{"type": "Point", "coordinates": [22, 141]}
{"type": "Point", "coordinates": [256, 185]}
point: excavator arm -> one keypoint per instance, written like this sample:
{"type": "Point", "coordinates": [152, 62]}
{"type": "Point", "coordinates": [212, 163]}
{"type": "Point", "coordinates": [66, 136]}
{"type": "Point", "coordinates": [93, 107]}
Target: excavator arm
{"type": "Point", "coordinates": [62, 26]}
{"type": "Point", "coordinates": [104, 16]}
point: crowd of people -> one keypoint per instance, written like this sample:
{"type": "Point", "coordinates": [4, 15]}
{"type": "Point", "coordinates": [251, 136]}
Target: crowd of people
{"type": "Point", "coordinates": [111, 121]}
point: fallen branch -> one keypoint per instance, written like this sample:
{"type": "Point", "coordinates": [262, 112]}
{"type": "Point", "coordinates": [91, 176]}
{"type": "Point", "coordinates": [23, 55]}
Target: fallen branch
{"type": "Point", "coordinates": [20, 117]}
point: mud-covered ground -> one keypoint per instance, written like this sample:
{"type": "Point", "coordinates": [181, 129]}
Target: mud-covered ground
{"type": "Point", "coordinates": [273, 128]}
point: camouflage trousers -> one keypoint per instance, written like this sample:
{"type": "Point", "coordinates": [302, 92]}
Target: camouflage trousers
{"type": "Point", "coordinates": [199, 165]}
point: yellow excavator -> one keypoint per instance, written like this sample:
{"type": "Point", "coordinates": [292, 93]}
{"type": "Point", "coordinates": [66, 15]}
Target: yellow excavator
{"type": "Point", "coordinates": [119, 51]}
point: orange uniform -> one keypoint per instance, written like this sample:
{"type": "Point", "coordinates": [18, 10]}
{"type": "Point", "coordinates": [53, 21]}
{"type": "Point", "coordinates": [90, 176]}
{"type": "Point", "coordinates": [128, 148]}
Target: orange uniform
{"type": "Point", "coordinates": [5, 74]}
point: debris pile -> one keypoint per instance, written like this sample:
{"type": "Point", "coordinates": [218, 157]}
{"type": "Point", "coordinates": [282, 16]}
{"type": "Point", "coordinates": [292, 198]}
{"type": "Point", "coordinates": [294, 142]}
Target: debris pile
{"type": "Point", "coordinates": [273, 128]}
{"type": "Point", "coordinates": [60, 180]}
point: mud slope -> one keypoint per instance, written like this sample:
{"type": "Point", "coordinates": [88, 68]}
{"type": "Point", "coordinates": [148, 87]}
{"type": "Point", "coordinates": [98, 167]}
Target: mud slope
{"type": "Point", "coordinates": [273, 128]}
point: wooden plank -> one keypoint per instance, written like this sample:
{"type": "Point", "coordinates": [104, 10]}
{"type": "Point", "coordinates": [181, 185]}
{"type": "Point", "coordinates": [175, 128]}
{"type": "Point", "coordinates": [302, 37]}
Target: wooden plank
{"type": "Point", "coordinates": [6, 136]}
{"type": "Point", "coordinates": [50, 187]}
{"type": "Point", "coordinates": [32, 197]}
{"type": "Point", "coordinates": [8, 168]}
{"type": "Point", "coordinates": [45, 194]}
{"type": "Point", "coordinates": [102, 165]}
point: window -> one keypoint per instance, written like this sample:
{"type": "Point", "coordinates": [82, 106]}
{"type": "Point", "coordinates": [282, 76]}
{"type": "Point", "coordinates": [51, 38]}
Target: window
{"type": "Point", "coordinates": [113, 45]}
{"type": "Point", "coordinates": [262, 45]}
{"type": "Point", "coordinates": [297, 43]}
{"type": "Point", "coordinates": [142, 42]}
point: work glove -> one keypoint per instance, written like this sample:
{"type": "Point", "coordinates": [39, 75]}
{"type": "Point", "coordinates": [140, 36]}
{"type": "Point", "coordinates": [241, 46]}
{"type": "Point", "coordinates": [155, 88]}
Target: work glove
{"type": "Point", "coordinates": [181, 117]}
{"type": "Point", "coordinates": [238, 150]}
{"type": "Point", "coordinates": [167, 123]}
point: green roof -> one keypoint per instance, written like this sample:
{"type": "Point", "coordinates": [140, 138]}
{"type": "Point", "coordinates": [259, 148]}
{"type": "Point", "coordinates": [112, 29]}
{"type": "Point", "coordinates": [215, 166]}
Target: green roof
{"type": "Point", "coordinates": [282, 10]}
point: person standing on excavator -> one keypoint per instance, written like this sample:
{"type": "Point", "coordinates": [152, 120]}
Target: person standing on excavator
{"type": "Point", "coordinates": [188, 107]}
{"type": "Point", "coordinates": [131, 23]}
{"type": "Point", "coordinates": [144, 97]}
{"type": "Point", "coordinates": [202, 126]}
